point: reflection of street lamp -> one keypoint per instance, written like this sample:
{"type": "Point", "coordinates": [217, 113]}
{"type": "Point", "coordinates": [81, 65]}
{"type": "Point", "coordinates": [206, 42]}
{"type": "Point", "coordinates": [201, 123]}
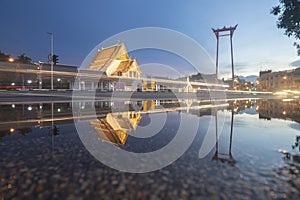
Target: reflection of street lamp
{"type": "Point", "coordinates": [51, 34]}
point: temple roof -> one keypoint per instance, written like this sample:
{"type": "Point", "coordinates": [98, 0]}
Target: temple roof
{"type": "Point", "coordinates": [123, 67]}
{"type": "Point", "coordinates": [105, 56]}
{"type": "Point", "coordinates": [105, 132]}
{"type": "Point", "coordinates": [115, 127]}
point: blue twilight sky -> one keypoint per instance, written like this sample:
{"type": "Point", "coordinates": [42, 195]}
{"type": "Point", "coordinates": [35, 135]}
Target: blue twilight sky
{"type": "Point", "coordinates": [80, 25]}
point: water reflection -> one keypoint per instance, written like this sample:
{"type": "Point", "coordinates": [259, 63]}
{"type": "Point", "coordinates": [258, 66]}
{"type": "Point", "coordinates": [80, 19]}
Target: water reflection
{"type": "Point", "coordinates": [120, 116]}
{"type": "Point", "coordinates": [221, 156]}
{"type": "Point", "coordinates": [281, 109]}
{"type": "Point", "coordinates": [23, 117]}
{"type": "Point", "coordinates": [116, 126]}
{"type": "Point", "coordinates": [115, 121]}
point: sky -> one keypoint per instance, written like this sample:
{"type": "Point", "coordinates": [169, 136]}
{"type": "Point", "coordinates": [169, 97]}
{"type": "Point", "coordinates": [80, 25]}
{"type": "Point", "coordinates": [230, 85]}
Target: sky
{"type": "Point", "coordinates": [79, 26]}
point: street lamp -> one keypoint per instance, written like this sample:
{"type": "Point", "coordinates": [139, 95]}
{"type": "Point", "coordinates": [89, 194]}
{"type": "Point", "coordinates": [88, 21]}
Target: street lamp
{"type": "Point", "coordinates": [11, 60]}
{"type": "Point", "coordinates": [51, 60]}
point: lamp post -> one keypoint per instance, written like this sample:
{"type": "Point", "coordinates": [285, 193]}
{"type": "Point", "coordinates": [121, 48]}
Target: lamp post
{"type": "Point", "coordinates": [51, 56]}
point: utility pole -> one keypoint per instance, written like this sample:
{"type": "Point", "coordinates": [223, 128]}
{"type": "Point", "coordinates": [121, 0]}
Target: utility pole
{"type": "Point", "coordinates": [51, 56]}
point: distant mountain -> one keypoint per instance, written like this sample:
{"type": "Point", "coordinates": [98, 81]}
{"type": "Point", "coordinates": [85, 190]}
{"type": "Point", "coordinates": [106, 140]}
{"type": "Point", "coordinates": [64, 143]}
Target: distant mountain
{"type": "Point", "coordinates": [251, 78]}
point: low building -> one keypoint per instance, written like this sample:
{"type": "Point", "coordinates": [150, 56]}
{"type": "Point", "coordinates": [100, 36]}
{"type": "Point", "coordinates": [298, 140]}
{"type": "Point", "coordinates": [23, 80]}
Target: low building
{"type": "Point", "coordinates": [63, 76]}
{"type": "Point", "coordinates": [18, 75]}
{"type": "Point", "coordinates": [278, 81]}
{"type": "Point", "coordinates": [36, 76]}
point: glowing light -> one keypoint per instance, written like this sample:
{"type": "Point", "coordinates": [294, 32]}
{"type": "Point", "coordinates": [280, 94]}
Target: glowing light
{"type": "Point", "coordinates": [11, 60]}
{"type": "Point", "coordinates": [13, 106]}
{"type": "Point", "coordinates": [284, 77]}
{"type": "Point", "coordinates": [58, 79]}
{"type": "Point", "coordinates": [29, 81]}
{"type": "Point", "coordinates": [58, 110]}
{"type": "Point", "coordinates": [280, 93]}
{"type": "Point", "coordinates": [284, 113]}
{"type": "Point", "coordinates": [41, 107]}
{"type": "Point", "coordinates": [29, 108]}
{"type": "Point", "coordinates": [11, 130]}
{"type": "Point", "coordinates": [292, 91]}
{"type": "Point", "coordinates": [287, 100]}
{"type": "Point", "coordinates": [257, 107]}
{"type": "Point", "coordinates": [12, 84]}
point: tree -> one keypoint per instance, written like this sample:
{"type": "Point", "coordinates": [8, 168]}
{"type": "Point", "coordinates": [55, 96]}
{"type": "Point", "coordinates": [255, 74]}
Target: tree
{"type": "Point", "coordinates": [4, 57]}
{"type": "Point", "coordinates": [288, 12]}
{"type": "Point", "coordinates": [24, 59]}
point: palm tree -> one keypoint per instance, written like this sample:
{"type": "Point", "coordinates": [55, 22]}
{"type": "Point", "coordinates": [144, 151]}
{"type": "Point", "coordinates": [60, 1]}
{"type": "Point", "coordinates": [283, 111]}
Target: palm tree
{"type": "Point", "coordinates": [24, 59]}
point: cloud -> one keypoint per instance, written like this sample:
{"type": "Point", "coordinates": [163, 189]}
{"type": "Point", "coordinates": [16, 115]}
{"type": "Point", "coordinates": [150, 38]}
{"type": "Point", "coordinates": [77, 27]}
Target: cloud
{"type": "Point", "coordinates": [240, 68]}
{"type": "Point", "coordinates": [296, 63]}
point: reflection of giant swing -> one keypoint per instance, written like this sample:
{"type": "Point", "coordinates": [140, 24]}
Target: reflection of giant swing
{"type": "Point", "coordinates": [224, 157]}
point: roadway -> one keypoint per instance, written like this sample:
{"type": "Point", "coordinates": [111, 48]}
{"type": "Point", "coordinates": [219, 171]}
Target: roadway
{"type": "Point", "coordinates": [67, 96]}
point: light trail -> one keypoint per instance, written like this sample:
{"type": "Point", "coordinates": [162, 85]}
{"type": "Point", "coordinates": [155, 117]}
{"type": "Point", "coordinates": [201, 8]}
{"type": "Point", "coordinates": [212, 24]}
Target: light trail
{"type": "Point", "coordinates": [103, 76]}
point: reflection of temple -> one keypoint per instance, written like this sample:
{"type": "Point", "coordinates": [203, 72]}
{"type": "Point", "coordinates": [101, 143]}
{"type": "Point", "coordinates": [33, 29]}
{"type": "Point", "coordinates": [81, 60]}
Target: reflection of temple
{"type": "Point", "coordinates": [116, 126]}
{"type": "Point", "coordinates": [279, 109]}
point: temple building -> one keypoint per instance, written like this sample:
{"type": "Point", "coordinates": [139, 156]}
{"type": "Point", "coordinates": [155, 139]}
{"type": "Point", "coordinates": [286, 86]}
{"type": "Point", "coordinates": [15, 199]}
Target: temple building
{"type": "Point", "coordinates": [111, 64]}
{"type": "Point", "coordinates": [115, 61]}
